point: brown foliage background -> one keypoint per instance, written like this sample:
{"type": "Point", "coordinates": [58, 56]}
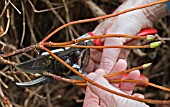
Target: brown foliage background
{"type": "Point", "coordinates": [40, 17]}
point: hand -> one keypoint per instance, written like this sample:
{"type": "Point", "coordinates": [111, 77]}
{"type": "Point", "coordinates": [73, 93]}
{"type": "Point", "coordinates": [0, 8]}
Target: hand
{"type": "Point", "coordinates": [96, 97]}
{"type": "Point", "coordinates": [129, 23]}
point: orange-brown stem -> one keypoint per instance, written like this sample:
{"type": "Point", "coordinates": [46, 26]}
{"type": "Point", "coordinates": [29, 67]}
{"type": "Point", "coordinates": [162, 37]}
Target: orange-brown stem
{"type": "Point", "coordinates": [123, 72]}
{"type": "Point", "coordinates": [19, 51]}
{"type": "Point", "coordinates": [93, 37]}
{"type": "Point", "coordinates": [83, 83]}
{"type": "Point", "coordinates": [98, 47]}
{"type": "Point", "coordinates": [106, 76]}
{"type": "Point", "coordinates": [101, 17]}
{"type": "Point", "coordinates": [141, 81]}
{"type": "Point", "coordinates": [59, 77]}
{"type": "Point", "coordinates": [110, 35]}
{"type": "Point", "coordinates": [104, 88]}
{"type": "Point", "coordinates": [130, 81]}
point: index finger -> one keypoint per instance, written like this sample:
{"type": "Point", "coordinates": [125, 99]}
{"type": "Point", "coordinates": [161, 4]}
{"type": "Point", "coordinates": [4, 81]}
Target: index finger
{"type": "Point", "coordinates": [110, 55]}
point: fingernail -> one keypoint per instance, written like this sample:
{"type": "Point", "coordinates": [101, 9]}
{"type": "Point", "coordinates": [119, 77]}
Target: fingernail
{"type": "Point", "coordinates": [100, 72]}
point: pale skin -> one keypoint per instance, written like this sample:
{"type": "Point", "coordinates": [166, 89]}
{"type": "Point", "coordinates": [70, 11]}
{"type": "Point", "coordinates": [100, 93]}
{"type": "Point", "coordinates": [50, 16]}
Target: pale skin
{"type": "Point", "coordinates": [107, 61]}
{"type": "Point", "coordinates": [96, 97]}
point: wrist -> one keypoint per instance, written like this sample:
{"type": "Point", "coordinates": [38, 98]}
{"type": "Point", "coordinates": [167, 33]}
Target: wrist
{"type": "Point", "coordinates": [156, 12]}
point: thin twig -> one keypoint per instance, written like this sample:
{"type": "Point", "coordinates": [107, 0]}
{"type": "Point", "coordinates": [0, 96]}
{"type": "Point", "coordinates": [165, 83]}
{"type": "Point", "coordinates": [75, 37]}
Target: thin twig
{"type": "Point", "coordinates": [30, 28]}
{"type": "Point", "coordinates": [68, 19]}
{"type": "Point", "coordinates": [92, 37]}
{"type": "Point", "coordinates": [7, 76]}
{"type": "Point", "coordinates": [84, 84]}
{"type": "Point", "coordinates": [14, 28]}
{"type": "Point", "coordinates": [15, 7]}
{"type": "Point", "coordinates": [8, 23]}
{"type": "Point", "coordinates": [123, 72]}
{"type": "Point", "coordinates": [3, 84]}
{"type": "Point", "coordinates": [2, 60]}
{"type": "Point", "coordinates": [23, 23]}
{"type": "Point", "coordinates": [48, 97]}
{"type": "Point", "coordinates": [6, 5]}
{"type": "Point", "coordinates": [96, 10]}
{"type": "Point", "coordinates": [59, 77]}
{"type": "Point", "coordinates": [46, 10]}
{"type": "Point", "coordinates": [19, 51]}
{"type": "Point", "coordinates": [100, 47]}
{"type": "Point", "coordinates": [31, 93]}
{"type": "Point", "coordinates": [36, 94]}
{"type": "Point", "coordinates": [55, 12]}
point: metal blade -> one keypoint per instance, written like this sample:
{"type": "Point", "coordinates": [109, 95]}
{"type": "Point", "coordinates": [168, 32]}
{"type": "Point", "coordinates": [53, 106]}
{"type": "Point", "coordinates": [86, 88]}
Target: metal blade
{"type": "Point", "coordinates": [40, 81]}
{"type": "Point", "coordinates": [36, 65]}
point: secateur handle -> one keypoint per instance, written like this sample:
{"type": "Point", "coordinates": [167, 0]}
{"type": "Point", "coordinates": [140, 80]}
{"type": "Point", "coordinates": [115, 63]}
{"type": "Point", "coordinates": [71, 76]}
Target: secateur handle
{"type": "Point", "coordinates": [142, 78]}
{"type": "Point", "coordinates": [143, 32]}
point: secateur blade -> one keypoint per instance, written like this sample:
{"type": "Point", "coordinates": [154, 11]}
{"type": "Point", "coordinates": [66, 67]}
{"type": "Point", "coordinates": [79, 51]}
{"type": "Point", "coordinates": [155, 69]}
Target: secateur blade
{"type": "Point", "coordinates": [36, 65]}
{"type": "Point", "coordinates": [36, 82]}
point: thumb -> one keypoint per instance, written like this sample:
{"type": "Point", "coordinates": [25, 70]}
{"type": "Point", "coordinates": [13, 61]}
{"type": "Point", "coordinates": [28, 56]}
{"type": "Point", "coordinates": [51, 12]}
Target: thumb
{"type": "Point", "coordinates": [107, 98]}
{"type": "Point", "coordinates": [111, 100]}
{"type": "Point", "coordinates": [91, 100]}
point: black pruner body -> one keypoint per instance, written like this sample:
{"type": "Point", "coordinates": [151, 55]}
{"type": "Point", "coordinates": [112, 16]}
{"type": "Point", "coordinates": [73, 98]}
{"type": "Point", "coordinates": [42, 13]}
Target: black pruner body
{"type": "Point", "coordinates": [50, 64]}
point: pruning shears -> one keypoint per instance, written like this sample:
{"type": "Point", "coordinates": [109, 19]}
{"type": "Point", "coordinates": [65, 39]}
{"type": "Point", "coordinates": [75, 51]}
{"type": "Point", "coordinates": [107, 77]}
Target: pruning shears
{"type": "Point", "coordinates": [70, 55]}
